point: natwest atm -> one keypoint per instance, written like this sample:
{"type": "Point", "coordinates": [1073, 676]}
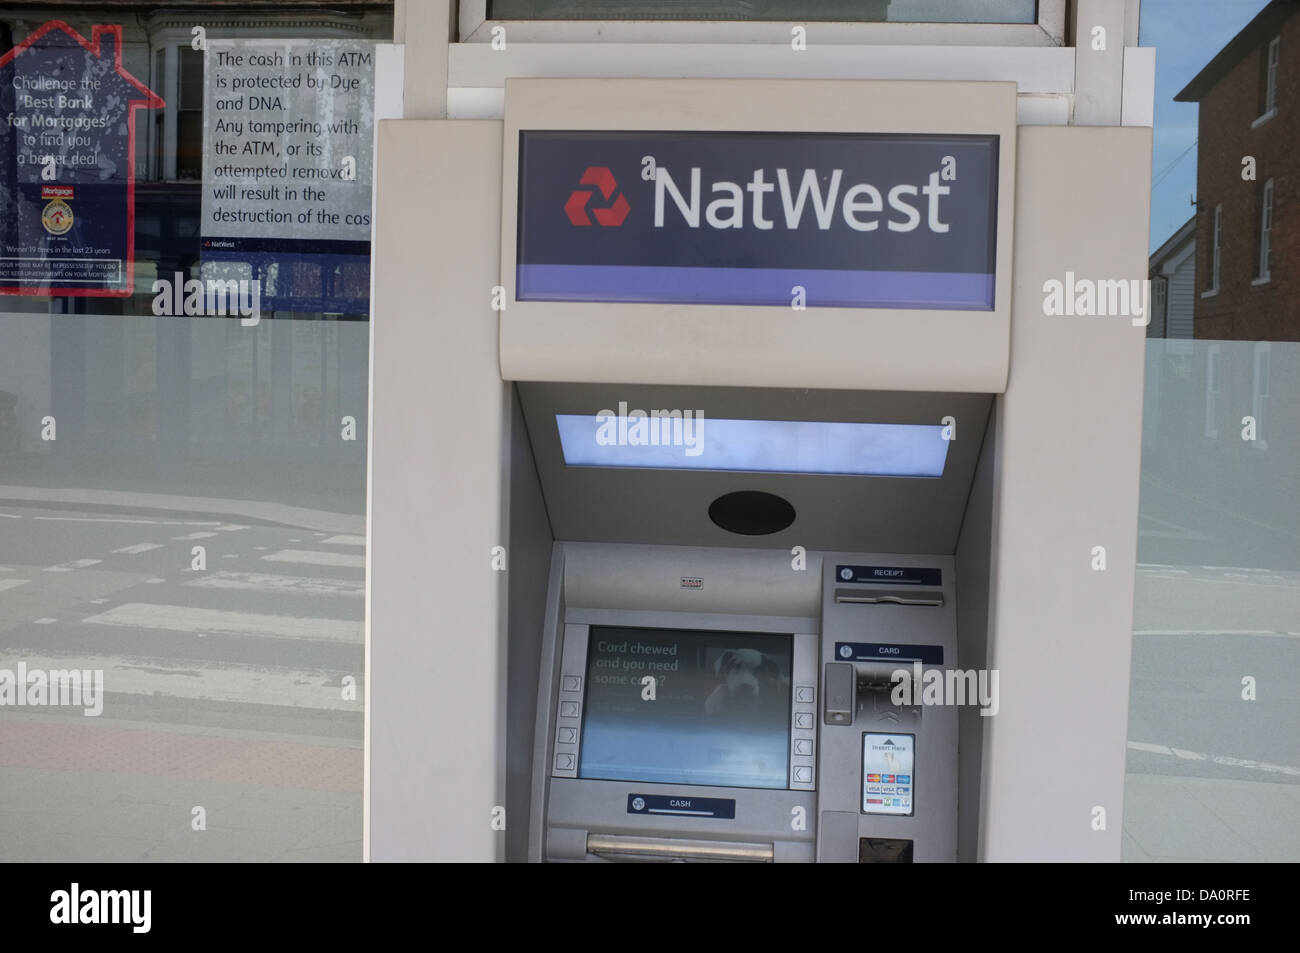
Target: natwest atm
{"type": "Point", "coordinates": [733, 497]}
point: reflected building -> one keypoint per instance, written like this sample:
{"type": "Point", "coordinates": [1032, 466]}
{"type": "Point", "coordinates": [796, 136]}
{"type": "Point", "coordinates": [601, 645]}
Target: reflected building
{"type": "Point", "coordinates": [1172, 274]}
{"type": "Point", "coordinates": [1247, 190]}
{"type": "Point", "coordinates": [171, 400]}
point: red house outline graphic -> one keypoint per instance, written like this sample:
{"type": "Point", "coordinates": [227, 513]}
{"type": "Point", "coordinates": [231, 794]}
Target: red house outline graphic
{"type": "Point", "coordinates": [149, 100]}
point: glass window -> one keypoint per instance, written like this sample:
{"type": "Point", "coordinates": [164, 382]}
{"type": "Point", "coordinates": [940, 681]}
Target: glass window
{"type": "Point", "coordinates": [1212, 745]}
{"type": "Point", "coordinates": [1270, 74]}
{"type": "Point", "coordinates": [1159, 318]}
{"type": "Point", "coordinates": [1266, 230]}
{"type": "Point", "coordinates": [1259, 392]}
{"type": "Point", "coordinates": [859, 11]}
{"type": "Point", "coordinates": [228, 643]}
{"type": "Point", "coordinates": [159, 115]}
{"type": "Point", "coordinates": [189, 115]}
{"type": "Point", "coordinates": [1212, 391]}
{"type": "Point", "coordinates": [1215, 248]}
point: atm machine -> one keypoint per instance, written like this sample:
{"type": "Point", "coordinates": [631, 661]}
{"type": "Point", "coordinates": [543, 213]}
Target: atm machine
{"type": "Point", "coordinates": [596, 635]}
{"type": "Point", "coordinates": [715, 679]}
{"type": "Point", "coordinates": [768, 737]}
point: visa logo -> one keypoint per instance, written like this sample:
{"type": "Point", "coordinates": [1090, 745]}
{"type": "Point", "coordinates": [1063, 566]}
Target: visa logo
{"type": "Point", "coordinates": [859, 205]}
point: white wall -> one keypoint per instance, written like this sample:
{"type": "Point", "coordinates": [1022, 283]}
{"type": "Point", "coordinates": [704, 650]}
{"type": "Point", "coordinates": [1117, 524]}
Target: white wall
{"type": "Point", "coordinates": [1066, 480]}
{"type": "Point", "coordinates": [439, 418]}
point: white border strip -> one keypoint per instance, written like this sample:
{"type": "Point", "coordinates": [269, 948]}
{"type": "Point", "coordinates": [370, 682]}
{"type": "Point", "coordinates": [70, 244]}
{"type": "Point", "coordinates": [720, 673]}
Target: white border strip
{"type": "Point", "coordinates": [1033, 69]}
{"type": "Point", "coordinates": [390, 68]}
{"type": "Point", "coordinates": [475, 27]}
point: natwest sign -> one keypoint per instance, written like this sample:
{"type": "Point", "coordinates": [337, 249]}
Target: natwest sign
{"type": "Point", "coordinates": [860, 206]}
{"type": "Point", "coordinates": [825, 219]}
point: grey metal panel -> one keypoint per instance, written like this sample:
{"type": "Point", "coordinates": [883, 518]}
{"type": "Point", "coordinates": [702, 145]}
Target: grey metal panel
{"type": "Point", "coordinates": [583, 807]}
{"type": "Point", "coordinates": [676, 848]}
{"type": "Point", "coordinates": [803, 713]}
{"type": "Point", "coordinates": [749, 582]}
{"type": "Point", "coordinates": [872, 514]}
{"type": "Point", "coordinates": [838, 838]}
{"type": "Point", "coordinates": [569, 703]}
{"type": "Point", "coordinates": [721, 621]}
{"type": "Point", "coordinates": [973, 582]}
{"type": "Point", "coordinates": [543, 731]}
{"type": "Point", "coordinates": [932, 827]}
{"type": "Point", "coordinates": [529, 554]}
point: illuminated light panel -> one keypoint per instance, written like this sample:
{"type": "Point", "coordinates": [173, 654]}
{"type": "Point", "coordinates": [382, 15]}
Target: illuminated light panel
{"type": "Point", "coordinates": [756, 446]}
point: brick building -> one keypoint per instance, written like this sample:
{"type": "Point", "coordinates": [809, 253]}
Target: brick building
{"type": "Point", "coordinates": [1248, 229]}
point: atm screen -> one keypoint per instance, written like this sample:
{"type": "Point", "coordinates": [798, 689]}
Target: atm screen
{"type": "Point", "coordinates": [719, 712]}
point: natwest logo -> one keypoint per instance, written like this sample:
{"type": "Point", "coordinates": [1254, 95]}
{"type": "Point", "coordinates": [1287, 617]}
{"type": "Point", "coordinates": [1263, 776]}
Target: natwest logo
{"type": "Point", "coordinates": [860, 205]}
{"type": "Point", "coordinates": [855, 220]}
{"type": "Point", "coordinates": [612, 214]}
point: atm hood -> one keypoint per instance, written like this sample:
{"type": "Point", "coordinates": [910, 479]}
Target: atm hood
{"type": "Point", "coordinates": [832, 511]}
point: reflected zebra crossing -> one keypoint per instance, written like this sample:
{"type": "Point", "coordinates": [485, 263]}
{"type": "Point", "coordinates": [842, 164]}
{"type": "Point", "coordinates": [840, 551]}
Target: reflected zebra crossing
{"type": "Point", "coordinates": [202, 641]}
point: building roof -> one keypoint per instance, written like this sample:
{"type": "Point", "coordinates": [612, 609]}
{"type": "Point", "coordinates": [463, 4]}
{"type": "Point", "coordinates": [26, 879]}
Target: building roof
{"type": "Point", "coordinates": [1174, 244]}
{"type": "Point", "coordinates": [1264, 27]}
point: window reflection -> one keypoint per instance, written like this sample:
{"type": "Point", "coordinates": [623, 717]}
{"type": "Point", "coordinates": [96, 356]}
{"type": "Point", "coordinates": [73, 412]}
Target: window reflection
{"type": "Point", "coordinates": [182, 508]}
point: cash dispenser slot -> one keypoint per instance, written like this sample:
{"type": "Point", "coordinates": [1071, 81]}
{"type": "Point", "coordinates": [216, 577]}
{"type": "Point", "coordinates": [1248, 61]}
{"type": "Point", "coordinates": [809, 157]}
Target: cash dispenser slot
{"type": "Point", "coordinates": [676, 849]}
